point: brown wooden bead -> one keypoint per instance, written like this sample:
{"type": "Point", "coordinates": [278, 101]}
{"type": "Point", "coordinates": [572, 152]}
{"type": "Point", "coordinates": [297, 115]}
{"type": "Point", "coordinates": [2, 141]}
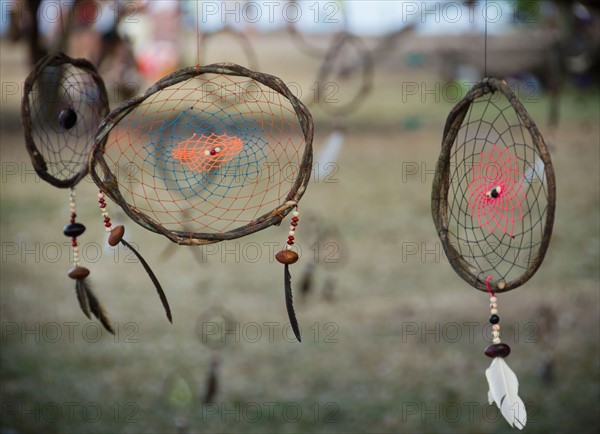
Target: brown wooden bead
{"type": "Point", "coordinates": [116, 235]}
{"type": "Point", "coordinates": [286, 256]}
{"type": "Point", "coordinates": [78, 273]}
{"type": "Point", "coordinates": [497, 350]}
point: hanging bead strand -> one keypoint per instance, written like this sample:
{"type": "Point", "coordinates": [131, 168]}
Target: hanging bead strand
{"type": "Point", "coordinates": [74, 230]}
{"type": "Point", "coordinates": [116, 232]}
{"type": "Point", "coordinates": [287, 255]}
{"type": "Point", "coordinates": [497, 349]}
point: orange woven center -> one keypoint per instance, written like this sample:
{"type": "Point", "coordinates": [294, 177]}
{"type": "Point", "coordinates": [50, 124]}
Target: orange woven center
{"type": "Point", "coordinates": [206, 153]}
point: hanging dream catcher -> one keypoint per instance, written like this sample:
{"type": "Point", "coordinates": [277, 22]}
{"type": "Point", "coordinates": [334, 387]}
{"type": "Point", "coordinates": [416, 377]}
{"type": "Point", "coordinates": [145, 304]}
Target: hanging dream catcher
{"type": "Point", "coordinates": [64, 100]}
{"type": "Point", "coordinates": [493, 204]}
{"type": "Point", "coordinates": [345, 77]}
{"type": "Point", "coordinates": [209, 154]}
{"type": "Point", "coordinates": [240, 39]}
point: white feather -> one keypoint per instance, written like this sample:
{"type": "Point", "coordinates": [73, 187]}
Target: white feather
{"type": "Point", "coordinates": [328, 155]}
{"type": "Point", "coordinates": [504, 391]}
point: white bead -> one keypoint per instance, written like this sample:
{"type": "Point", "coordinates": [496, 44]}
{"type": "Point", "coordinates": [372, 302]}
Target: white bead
{"type": "Point", "coordinates": [493, 299]}
{"type": "Point", "coordinates": [498, 189]}
{"type": "Point", "coordinates": [207, 152]}
{"type": "Point", "coordinates": [288, 247]}
{"type": "Point", "coordinates": [103, 210]}
{"type": "Point", "coordinates": [493, 305]}
{"type": "Point", "coordinates": [292, 228]}
{"type": "Point", "coordinates": [104, 214]}
{"type": "Point", "coordinates": [295, 214]}
{"type": "Point", "coordinates": [100, 195]}
{"type": "Point", "coordinates": [493, 311]}
{"type": "Point", "coordinates": [217, 149]}
{"type": "Point", "coordinates": [496, 340]}
{"type": "Point", "coordinates": [108, 229]}
{"type": "Point", "coordinates": [495, 333]}
{"type": "Point", "coordinates": [291, 233]}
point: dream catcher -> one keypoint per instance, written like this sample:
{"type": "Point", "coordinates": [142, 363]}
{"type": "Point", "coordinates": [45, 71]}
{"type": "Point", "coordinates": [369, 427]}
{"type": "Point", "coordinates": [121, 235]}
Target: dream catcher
{"type": "Point", "coordinates": [345, 76]}
{"type": "Point", "coordinates": [241, 40]}
{"type": "Point", "coordinates": [493, 204]}
{"type": "Point", "coordinates": [332, 14]}
{"type": "Point", "coordinates": [343, 82]}
{"type": "Point", "coordinates": [64, 101]}
{"type": "Point", "coordinates": [212, 153]}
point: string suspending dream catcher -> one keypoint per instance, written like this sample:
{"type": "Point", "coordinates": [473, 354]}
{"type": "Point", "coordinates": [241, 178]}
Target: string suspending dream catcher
{"type": "Point", "coordinates": [64, 100]}
{"type": "Point", "coordinates": [208, 154]}
{"type": "Point", "coordinates": [493, 204]}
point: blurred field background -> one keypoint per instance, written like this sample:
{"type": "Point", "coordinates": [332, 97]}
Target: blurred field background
{"type": "Point", "coordinates": [393, 338]}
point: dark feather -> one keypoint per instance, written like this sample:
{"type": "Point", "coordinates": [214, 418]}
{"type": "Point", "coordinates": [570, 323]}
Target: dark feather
{"type": "Point", "coordinates": [82, 297]}
{"type": "Point", "coordinates": [212, 384]}
{"type": "Point", "coordinates": [161, 293]}
{"type": "Point", "coordinates": [289, 303]}
{"type": "Point", "coordinates": [306, 282]}
{"type": "Point", "coordinates": [95, 306]}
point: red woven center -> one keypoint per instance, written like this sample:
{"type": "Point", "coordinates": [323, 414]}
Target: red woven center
{"type": "Point", "coordinates": [497, 171]}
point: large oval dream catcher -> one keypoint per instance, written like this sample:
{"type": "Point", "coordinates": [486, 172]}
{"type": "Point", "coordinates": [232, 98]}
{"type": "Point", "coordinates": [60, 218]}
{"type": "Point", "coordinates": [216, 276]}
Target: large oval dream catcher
{"type": "Point", "coordinates": [64, 100]}
{"type": "Point", "coordinates": [208, 154]}
{"type": "Point", "coordinates": [493, 204]}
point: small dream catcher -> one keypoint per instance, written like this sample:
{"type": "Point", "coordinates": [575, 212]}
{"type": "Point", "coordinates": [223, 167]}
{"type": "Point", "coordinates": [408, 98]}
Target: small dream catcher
{"type": "Point", "coordinates": [208, 154]}
{"type": "Point", "coordinates": [64, 100]}
{"type": "Point", "coordinates": [493, 204]}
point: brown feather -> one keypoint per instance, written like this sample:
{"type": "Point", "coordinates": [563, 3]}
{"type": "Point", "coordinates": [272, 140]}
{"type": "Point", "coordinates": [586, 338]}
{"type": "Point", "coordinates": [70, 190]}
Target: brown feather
{"type": "Point", "coordinates": [289, 303]}
{"type": "Point", "coordinates": [94, 305]}
{"type": "Point", "coordinates": [82, 297]}
{"type": "Point", "coordinates": [161, 293]}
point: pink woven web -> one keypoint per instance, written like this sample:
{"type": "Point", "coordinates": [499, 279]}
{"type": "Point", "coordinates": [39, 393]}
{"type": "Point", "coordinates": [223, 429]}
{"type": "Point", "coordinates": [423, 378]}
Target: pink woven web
{"type": "Point", "coordinates": [499, 171]}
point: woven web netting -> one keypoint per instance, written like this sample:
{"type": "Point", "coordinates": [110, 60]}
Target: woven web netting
{"type": "Point", "coordinates": [208, 154]}
{"type": "Point", "coordinates": [64, 102]}
{"type": "Point", "coordinates": [498, 194]}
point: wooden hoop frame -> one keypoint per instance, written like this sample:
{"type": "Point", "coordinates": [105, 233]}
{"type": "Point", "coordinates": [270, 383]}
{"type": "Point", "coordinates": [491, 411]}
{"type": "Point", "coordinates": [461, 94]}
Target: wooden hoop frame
{"type": "Point", "coordinates": [108, 182]}
{"type": "Point", "coordinates": [441, 185]}
{"type": "Point", "coordinates": [39, 163]}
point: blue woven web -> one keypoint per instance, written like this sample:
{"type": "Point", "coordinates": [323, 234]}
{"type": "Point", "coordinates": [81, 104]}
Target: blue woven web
{"type": "Point", "coordinates": [243, 168]}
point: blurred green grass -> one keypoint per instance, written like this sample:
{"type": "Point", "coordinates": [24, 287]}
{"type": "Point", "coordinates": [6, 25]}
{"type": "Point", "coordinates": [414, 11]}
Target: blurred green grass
{"type": "Point", "coordinates": [365, 370]}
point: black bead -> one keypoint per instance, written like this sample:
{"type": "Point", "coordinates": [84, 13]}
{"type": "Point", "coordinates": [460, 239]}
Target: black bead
{"type": "Point", "coordinates": [73, 229]}
{"type": "Point", "coordinates": [67, 118]}
{"type": "Point", "coordinates": [494, 319]}
{"type": "Point", "coordinates": [494, 193]}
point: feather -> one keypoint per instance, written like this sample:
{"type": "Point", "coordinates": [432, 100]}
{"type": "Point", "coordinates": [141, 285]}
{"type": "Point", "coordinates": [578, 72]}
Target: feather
{"type": "Point", "coordinates": [328, 155]}
{"type": "Point", "coordinates": [504, 389]}
{"type": "Point", "coordinates": [82, 297]}
{"type": "Point", "coordinates": [161, 293]}
{"type": "Point", "coordinates": [306, 282]}
{"type": "Point", "coordinates": [94, 305]}
{"type": "Point", "coordinates": [212, 383]}
{"type": "Point", "coordinates": [289, 303]}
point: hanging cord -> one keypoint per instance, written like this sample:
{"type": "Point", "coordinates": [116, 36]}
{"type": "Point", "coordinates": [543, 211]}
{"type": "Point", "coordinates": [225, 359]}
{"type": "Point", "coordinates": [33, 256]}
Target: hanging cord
{"type": "Point", "coordinates": [197, 35]}
{"type": "Point", "coordinates": [485, 38]}
{"type": "Point", "coordinates": [487, 284]}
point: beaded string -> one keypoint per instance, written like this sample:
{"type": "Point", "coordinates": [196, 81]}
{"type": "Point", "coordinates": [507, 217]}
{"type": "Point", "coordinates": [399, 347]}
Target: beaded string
{"type": "Point", "coordinates": [74, 230]}
{"type": "Point", "coordinates": [497, 349]}
{"type": "Point", "coordinates": [494, 318]}
{"type": "Point", "coordinates": [72, 218]}
{"type": "Point", "coordinates": [102, 204]}
{"type": "Point", "coordinates": [292, 232]}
